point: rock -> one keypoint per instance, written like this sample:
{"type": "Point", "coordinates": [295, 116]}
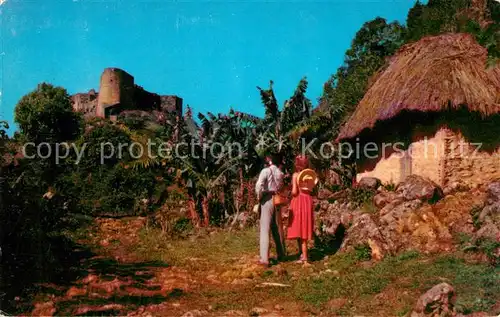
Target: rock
{"type": "Point", "coordinates": [390, 206]}
{"type": "Point", "coordinates": [75, 291]}
{"type": "Point", "coordinates": [454, 187]}
{"type": "Point", "coordinates": [330, 224]}
{"type": "Point", "coordinates": [418, 187]}
{"type": "Point", "coordinates": [324, 205]}
{"type": "Point", "coordinates": [489, 231]}
{"type": "Point", "coordinates": [490, 213]}
{"type": "Point", "coordinates": [337, 303]}
{"type": "Point", "coordinates": [438, 301]}
{"type": "Point", "coordinates": [392, 213]}
{"type": "Point", "coordinates": [370, 183]}
{"type": "Point", "coordinates": [44, 309]}
{"type": "Point", "coordinates": [365, 231]}
{"type": "Point", "coordinates": [383, 198]}
{"type": "Point", "coordinates": [278, 307]}
{"type": "Point", "coordinates": [341, 194]}
{"type": "Point", "coordinates": [242, 281]}
{"type": "Point", "coordinates": [493, 193]}
{"type": "Point", "coordinates": [376, 254]}
{"type": "Point", "coordinates": [194, 313]}
{"type": "Point", "coordinates": [234, 313]}
{"type": "Point", "coordinates": [257, 311]}
{"type": "Point", "coordinates": [489, 217]}
{"type": "Point", "coordinates": [90, 278]}
{"type": "Point", "coordinates": [85, 309]}
{"type": "Point", "coordinates": [324, 194]}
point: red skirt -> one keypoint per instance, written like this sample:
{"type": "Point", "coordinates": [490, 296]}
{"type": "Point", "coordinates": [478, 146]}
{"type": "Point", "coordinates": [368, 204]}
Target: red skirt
{"type": "Point", "coordinates": [301, 218]}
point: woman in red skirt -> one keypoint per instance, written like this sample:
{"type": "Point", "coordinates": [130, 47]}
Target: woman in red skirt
{"type": "Point", "coordinates": [301, 219]}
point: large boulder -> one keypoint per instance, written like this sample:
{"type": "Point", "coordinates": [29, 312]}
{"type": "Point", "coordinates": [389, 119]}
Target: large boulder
{"type": "Point", "coordinates": [418, 187]}
{"type": "Point", "coordinates": [370, 183]}
{"type": "Point", "coordinates": [493, 193]}
{"type": "Point", "coordinates": [364, 231]}
{"type": "Point", "coordinates": [396, 209]}
{"type": "Point", "coordinates": [488, 218]}
{"type": "Point", "coordinates": [488, 231]}
{"type": "Point", "coordinates": [438, 301]}
{"type": "Point", "coordinates": [331, 221]}
{"type": "Point", "coordinates": [384, 198]}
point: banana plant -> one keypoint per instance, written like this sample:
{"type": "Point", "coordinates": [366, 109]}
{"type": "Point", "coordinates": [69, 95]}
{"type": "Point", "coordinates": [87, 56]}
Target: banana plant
{"type": "Point", "coordinates": [208, 181]}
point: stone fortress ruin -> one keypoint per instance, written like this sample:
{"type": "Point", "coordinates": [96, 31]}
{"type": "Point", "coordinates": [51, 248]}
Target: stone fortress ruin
{"type": "Point", "coordinates": [118, 93]}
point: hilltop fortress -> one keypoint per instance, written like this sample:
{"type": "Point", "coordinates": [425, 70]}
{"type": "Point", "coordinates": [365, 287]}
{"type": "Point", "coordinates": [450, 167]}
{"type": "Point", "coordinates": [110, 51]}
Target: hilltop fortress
{"type": "Point", "coordinates": [118, 93]}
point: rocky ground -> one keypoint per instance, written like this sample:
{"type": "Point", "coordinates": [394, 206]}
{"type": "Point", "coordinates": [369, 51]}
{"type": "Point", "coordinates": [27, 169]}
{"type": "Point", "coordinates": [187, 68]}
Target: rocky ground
{"type": "Point", "coordinates": [417, 214]}
{"type": "Point", "coordinates": [415, 250]}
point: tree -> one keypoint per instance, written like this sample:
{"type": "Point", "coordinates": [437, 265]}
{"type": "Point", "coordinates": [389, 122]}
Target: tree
{"type": "Point", "coordinates": [375, 41]}
{"type": "Point", "coordinates": [4, 126]}
{"type": "Point", "coordinates": [207, 169]}
{"type": "Point", "coordinates": [46, 115]}
{"type": "Point", "coordinates": [297, 108]}
{"type": "Point", "coordinates": [441, 16]}
{"type": "Point", "coordinates": [276, 128]}
{"type": "Point", "coordinates": [270, 106]}
{"type": "Point", "coordinates": [494, 10]}
{"type": "Point", "coordinates": [238, 128]}
{"type": "Point", "coordinates": [479, 18]}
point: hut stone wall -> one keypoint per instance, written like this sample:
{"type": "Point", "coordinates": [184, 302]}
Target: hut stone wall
{"type": "Point", "coordinates": [387, 169]}
{"type": "Point", "coordinates": [426, 155]}
{"type": "Point", "coordinates": [444, 157]}
{"type": "Point", "coordinates": [465, 162]}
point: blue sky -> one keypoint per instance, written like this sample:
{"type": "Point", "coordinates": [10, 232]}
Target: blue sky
{"type": "Point", "coordinates": [212, 54]}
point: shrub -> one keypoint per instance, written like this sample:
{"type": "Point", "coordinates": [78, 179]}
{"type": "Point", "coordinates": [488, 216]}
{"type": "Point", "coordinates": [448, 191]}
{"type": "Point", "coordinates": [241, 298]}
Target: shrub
{"type": "Point", "coordinates": [391, 187]}
{"type": "Point", "coordinates": [171, 219]}
{"type": "Point", "coordinates": [363, 252]}
{"type": "Point", "coordinates": [46, 115]}
{"type": "Point", "coordinates": [489, 247]}
{"type": "Point", "coordinates": [115, 191]}
{"type": "Point", "coordinates": [475, 212]}
{"type": "Point", "coordinates": [361, 196]}
{"type": "Point", "coordinates": [102, 147]}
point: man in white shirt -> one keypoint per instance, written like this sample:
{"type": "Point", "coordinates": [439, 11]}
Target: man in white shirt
{"type": "Point", "coordinates": [270, 182]}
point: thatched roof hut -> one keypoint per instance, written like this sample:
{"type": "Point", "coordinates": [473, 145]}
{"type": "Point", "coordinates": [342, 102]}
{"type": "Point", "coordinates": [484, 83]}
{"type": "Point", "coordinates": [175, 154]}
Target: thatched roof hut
{"type": "Point", "coordinates": [435, 74]}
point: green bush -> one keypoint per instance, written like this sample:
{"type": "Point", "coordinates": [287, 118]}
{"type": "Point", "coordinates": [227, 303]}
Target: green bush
{"type": "Point", "coordinates": [391, 187]}
{"type": "Point", "coordinates": [46, 115]}
{"type": "Point", "coordinates": [134, 122]}
{"type": "Point", "coordinates": [491, 249]}
{"type": "Point", "coordinates": [363, 252]}
{"type": "Point", "coordinates": [361, 196]}
{"type": "Point", "coordinates": [475, 212]}
{"type": "Point", "coordinates": [169, 217]}
{"type": "Point", "coordinates": [102, 147]}
{"type": "Point", "coordinates": [115, 191]}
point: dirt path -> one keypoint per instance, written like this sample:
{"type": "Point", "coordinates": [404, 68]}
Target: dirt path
{"type": "Point", "coordinates": [115, 281]}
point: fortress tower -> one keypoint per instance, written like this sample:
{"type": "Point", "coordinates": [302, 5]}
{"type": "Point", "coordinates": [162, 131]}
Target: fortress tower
{"type": "Point", "coordinates": [116, 91]}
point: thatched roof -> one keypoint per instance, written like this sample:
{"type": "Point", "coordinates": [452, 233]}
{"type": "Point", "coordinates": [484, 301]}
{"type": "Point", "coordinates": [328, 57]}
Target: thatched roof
{"type": "Point", "coordinates": [434, 74]}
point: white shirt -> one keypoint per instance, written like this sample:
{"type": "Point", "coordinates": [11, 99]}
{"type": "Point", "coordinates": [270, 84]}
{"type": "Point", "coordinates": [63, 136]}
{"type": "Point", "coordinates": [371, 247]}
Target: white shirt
{"type": "Point", "coordinates": [270, 179]}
